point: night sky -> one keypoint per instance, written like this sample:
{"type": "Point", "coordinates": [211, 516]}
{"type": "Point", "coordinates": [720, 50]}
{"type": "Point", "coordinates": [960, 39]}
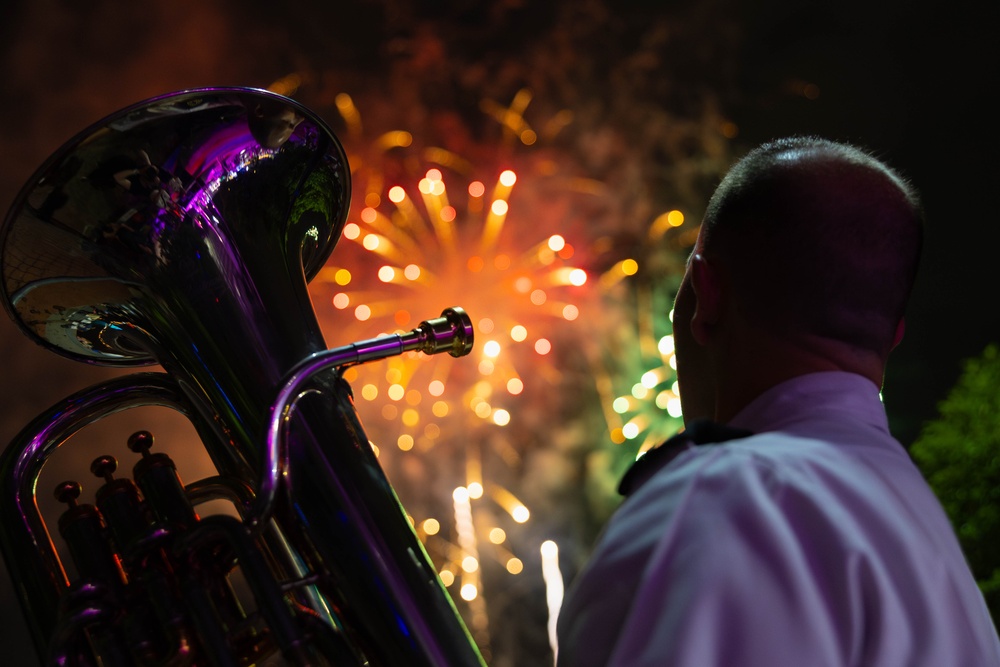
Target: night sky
{"type": "Point", "coordinates": [914, 85]}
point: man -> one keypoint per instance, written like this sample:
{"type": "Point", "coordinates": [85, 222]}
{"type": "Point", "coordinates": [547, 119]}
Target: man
{"type": "Point", "coordinates": [808, 538]}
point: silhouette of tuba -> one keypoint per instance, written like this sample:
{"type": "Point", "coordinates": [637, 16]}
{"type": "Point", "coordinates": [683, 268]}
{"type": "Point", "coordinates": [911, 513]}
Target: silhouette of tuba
{"type": "Point", "coordinates": [182, 232]}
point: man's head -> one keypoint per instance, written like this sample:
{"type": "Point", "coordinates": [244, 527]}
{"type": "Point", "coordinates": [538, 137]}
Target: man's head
{"type": "Point", "coordinates": [810, 249]}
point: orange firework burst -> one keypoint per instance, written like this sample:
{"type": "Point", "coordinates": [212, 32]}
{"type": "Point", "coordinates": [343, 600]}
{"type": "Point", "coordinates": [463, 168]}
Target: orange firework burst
{"type": "Point", "coordinates": [420, 256]}
{"type": "Point", "coordinates": [412, 252]}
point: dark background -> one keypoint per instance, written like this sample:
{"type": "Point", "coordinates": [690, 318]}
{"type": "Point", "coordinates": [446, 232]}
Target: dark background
{"type": "Point", "coordinates": [915, 85]}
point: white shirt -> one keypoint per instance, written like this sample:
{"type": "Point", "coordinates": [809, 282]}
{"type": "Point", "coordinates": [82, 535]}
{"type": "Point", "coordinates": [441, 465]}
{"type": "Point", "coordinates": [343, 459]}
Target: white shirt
{"type": "Point", "coordinates": [814, 543]}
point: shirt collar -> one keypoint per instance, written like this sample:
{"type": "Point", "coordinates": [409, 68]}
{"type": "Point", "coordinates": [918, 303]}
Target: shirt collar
{"type": "Point", "coordinates": [823, 395]}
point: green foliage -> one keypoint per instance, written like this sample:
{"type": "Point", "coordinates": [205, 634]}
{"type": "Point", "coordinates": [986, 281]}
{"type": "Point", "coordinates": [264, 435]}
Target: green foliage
{"type": "Point", "coordinates": [959, 454]}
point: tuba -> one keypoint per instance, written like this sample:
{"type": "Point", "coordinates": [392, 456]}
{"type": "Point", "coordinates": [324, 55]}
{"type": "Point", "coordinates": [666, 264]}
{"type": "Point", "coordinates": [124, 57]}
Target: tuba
{"type": "Point", "coordinates": [182, 231]}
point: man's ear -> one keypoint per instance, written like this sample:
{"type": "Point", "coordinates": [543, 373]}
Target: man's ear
{"type": "Point", "coordinates": [705, 281]}
{"type": "Point", "coordinates": [900, 329]}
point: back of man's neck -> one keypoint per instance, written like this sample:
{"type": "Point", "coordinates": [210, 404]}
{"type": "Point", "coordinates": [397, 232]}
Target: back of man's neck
{"type": "Point", "coordinates": [760, 363]}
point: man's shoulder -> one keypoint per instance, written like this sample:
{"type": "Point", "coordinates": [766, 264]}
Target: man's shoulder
{"type": "Point", "coordinates": [697, 433]}
{"type": "Point", "coordinates": [763, 455]}
{"type": "Point", "coordinates": [782, 471]}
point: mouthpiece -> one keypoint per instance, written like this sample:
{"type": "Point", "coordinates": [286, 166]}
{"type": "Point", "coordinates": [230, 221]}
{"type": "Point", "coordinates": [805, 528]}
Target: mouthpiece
{"type": "Point", "coordinates": [451, 333]}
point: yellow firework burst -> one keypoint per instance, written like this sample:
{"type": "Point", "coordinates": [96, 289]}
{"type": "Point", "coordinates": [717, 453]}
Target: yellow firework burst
{"type": "Point", "coordinates": [416, 255]}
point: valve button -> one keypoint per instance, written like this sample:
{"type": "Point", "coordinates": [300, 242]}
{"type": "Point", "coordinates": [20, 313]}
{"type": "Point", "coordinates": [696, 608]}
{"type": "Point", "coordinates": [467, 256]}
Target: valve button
{"type": "Point", "coordinates": [67, 492]}
{"type": "Point", "coordinates": [104, 466]}
{"type": "Point", "coordinates": [140, 442]}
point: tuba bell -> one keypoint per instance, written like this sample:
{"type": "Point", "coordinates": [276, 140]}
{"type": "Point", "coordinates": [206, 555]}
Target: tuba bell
{"type": "Point", "coordinates": [182, 231]}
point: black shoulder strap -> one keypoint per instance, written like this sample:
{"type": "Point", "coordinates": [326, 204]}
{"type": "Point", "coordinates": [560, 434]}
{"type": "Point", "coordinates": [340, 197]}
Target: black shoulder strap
{"type": "Point", "coordinates": [699, 432]}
